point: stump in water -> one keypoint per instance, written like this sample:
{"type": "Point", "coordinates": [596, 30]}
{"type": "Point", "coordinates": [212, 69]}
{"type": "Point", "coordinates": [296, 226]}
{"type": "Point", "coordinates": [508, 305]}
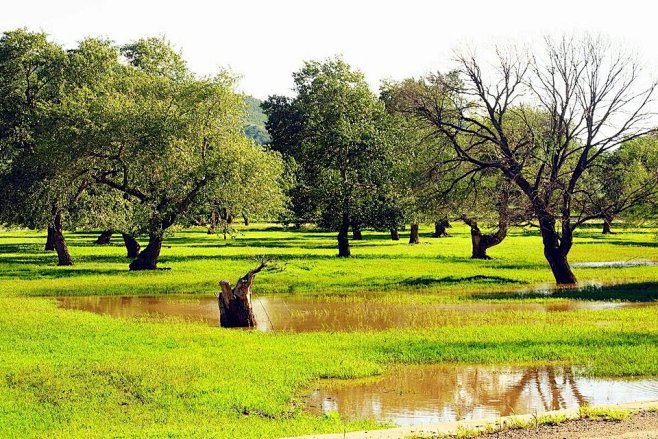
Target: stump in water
{"type": "Point", "coordinates": [235, 309]}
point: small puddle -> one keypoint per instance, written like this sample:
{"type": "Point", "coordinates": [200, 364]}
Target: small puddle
{"type": "Point", "coordinates": [312, 314]}
{"type": "Point", "coordinates": [616, 264]}
{"type": "Point", "coordinates": [415, 395]}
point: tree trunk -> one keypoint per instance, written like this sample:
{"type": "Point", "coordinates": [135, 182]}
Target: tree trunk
{"type": "Point", "coordinates": [148, 259]}
{"type": "Point", "coordinates": [245, 218]}
{"type": "Point", "coordinates": [213, 223]}
{"type": "Point", "coordinates": [607, 225]}
{"type": "Point", "coordinates": [356, 232]}
{"type": "Point", "coordinates": [63, 255]}
{"type": "Point", "coordinates": [413, 235]}
{"type": "Point", "coordinates": [235, 308]}
{"type": "Point", "coordinates": [105, 237]}
{"type": "Point", "coordinates": [343, 240]}
{"type": "Point", "coordinates": [395, 236]}
{"type": "Point", "coordinates": [477, 243]}
{"type": "Point", "coordinates": [50, 239]}
{"type": "Point", "coordinates": [556, 249]}
{"type": "Point", "coordinates": [440, 228]}
{"type": "Point", "coordinates": [560, 267]}
{"type": "Point", "coordinates": [132, 246]}
{"type": "Point", "coordinates": [481, 242]}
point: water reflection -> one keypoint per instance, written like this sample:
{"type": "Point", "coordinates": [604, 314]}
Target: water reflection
{"type": "Point", "coordinates": [616, 264]}
{"type": "Point", "coordinates": [311, 314]}
{"type": "Point", "coordinates": [415, 395]}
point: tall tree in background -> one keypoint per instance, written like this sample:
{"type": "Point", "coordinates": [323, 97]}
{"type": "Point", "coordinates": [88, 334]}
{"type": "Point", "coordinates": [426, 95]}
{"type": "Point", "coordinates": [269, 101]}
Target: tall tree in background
{"type": "Point", "coordinates": [417, 185]}
{"type": "Point", "coordinates": [337, 134]}
{"type": "Point", "coordinates": [625, 183]}
{"type": "Point", "coordinates": [579, 99]}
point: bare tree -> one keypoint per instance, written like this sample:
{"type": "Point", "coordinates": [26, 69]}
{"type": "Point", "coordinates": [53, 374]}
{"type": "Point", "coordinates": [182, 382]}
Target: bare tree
{"type": "Point", "coordinates": [542, 121]}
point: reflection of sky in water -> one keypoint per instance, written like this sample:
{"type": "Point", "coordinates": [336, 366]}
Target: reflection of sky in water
{"type": "Point", "coordinates": [426, 394]}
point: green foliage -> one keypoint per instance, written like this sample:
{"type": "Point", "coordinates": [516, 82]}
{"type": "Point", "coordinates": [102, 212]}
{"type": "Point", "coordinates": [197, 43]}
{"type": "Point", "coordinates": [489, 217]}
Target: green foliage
{"type": "Point", "coordinates": [337, 132]}
{"type": "Point", "coordinates": [255, 120]}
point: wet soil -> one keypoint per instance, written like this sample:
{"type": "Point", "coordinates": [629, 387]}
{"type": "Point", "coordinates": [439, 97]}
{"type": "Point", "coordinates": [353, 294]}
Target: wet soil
{"type": "Point", "coordinates": [642, 425]}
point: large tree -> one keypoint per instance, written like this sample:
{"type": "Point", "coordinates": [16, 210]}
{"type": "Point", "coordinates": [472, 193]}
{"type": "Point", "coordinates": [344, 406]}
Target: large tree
{"type": "Point", "coordinates": [164, 139]}
{"type": "Point", "coordinates": [43, 176]}
{"type": "Point", "coordinates": [579, 99]}
{"type": "Point", "coordinates": [337, 135]}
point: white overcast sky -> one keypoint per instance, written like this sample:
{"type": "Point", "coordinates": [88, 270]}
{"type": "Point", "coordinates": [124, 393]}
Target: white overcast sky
{"type": "Point", "coordinates": [265, 41]}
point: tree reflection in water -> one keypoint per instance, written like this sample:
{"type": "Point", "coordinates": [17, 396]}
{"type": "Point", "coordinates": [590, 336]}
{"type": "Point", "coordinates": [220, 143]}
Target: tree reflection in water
{"type": "Point", "coordinates": [425, 394]}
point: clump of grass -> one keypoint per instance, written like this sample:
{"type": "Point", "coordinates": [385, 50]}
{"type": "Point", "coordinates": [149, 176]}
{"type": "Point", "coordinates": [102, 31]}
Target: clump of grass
{"type": "Point", "coordinates": [514, 423]}
{"type": "Point", "coordinates": [467, 432]}
{"type": "Point", "coordinates": [604, 413]}
{"type": "Point", "coordinates": [551, 419]}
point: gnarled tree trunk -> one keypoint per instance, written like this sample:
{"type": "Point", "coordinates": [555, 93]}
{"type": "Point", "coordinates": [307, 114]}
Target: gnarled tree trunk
{"type": "Point", "coordinates": [245, 218]}
{"type": "Point", "coordinates": [105, 237]}
{"type": "Point", "coordinates": [50, 239]}
{"type": "Point", "coordinates": [148, 259]}
{"type": "Point", "coordinates": [395, 236]}
{"type": "Point", "coordinates": [480, 242]}
{"type": "Point", "coordinates": [62, 249]}
{"type": "Point", "coordinates": [414, 238]}
{"type": "Point", "coordinates": [440, 228]}
{"type": "Point", "coordinates": [556, 249]}
{"type": "Point", "coordinates": [356, 232]}
{"type": "Point", "coordinates": [132, 246]}
{"type": "Point", "coordinates": [235, 308]}
{"type": "Point", "coordinates": [560, 267]}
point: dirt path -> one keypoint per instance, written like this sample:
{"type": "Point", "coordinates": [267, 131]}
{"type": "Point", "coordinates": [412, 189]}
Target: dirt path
{"type": "Point", "coordinates": [642, 425]}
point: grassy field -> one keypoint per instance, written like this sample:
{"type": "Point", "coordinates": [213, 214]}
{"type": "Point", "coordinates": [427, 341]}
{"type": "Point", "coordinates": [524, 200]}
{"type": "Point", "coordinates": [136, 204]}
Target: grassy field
{"type": "Point", "coordinates": [69, 373]}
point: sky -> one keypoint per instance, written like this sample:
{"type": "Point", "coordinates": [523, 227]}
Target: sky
{"type": "Point", "coordinates": [266, 41]}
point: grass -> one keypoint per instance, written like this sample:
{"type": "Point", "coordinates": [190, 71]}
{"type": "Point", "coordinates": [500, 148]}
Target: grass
{"type": "Point", "coordinates": [75, 374]}
{"type": "Point", "coordinates": [307, 264]}
{"type": "Point", "coordinates": [604, 413]}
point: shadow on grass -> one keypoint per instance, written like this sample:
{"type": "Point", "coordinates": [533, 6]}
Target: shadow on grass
{"type": "Point", "coordinates": [451, 280]}
{"type": "Point", "coordinates": [631, 292]}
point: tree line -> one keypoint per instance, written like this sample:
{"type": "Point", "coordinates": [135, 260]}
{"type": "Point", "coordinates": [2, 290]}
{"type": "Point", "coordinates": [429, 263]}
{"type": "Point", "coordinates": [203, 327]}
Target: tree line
{"type": "Point", "coordinates": [127, 139]}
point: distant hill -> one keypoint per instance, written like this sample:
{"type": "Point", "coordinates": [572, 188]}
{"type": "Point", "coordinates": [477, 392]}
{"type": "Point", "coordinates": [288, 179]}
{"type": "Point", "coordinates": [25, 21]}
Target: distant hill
{"type": "Point", "coordinates": [254, 124]}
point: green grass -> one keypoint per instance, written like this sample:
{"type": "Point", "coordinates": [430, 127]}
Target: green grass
{"type": "Point", "coordinates": [69, 373]}
{"type": "Point", "coordinates": [307, 264]}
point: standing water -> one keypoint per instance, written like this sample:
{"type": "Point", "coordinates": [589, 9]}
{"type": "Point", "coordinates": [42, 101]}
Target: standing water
{"type": "Point", "coordinates": [313, 314]}
{"type": "Point", "coordinates": [416, 395]}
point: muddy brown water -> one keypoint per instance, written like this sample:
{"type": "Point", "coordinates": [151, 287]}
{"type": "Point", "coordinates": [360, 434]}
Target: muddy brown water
{"type": "Point", "coordinates": [416, 395]}
{"type": "Point", "coordinates": [409, 395]}
{"type": "Point", "coordinates": [310, 314]}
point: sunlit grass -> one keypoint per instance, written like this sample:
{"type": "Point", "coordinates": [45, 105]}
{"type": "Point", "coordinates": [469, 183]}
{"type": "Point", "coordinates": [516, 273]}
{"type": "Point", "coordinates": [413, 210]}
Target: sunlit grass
{"type": "Point", "coordinates": [306, 264]}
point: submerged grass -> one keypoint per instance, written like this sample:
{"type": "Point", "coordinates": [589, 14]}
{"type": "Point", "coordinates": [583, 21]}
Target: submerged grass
{"type": "Point", "coordinates": [69, 373]}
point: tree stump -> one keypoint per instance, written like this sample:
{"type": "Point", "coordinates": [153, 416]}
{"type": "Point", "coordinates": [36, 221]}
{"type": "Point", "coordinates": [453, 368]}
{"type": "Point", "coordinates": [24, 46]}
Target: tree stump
{"type": "Point", "coordinates": [235, 308]}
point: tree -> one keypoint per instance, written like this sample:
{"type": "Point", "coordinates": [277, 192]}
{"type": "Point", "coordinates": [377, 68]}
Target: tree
{"type": "Point", "coordinates": [579, 99]}
{"type": "Point", "coordinates": [417, 186]}
{"type": "Point", "coordinates": [625, 183]}
{"type": "Point", "coordinates": [41, 173]}
{"type": "Point", "coordinates": [336, 135]}
{"type": "Point", "coordinates": [166, 139]}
